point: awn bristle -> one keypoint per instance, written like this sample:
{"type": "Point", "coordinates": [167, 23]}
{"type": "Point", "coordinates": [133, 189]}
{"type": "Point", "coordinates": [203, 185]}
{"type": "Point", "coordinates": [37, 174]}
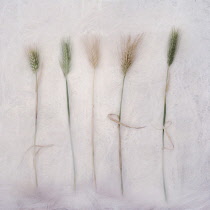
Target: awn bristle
{"type": "Point", "coordinates": [128, 52]}
{"type": "Point", "coordinates": [172, 46]}
{"type": "Point", "coordinates": [92, 46]}
{"type": "Point", "coordinates": [65, 60]}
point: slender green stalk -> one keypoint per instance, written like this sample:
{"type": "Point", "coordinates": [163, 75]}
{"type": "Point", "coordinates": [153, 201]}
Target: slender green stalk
{"type": "Point", "coordinates": [72, 146]}
{"type": "Point", "coordinates": [33, 57]}
{"type": "Point", "coordinates": [36, 117]}
{"type": "Point", "coordinates": [67, 97]}
{"type": "Point", "coordinates": [172, 48]}
{"type": "Point", "coordinates": [65, 64]}
{"type": "Point", "coordinates": [163, 143]}
{"type": "Point", "coordinates": [120, 144]}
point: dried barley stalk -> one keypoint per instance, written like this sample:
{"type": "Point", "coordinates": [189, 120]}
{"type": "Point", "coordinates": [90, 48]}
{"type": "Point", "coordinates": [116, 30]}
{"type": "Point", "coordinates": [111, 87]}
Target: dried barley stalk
{"type": "Point", "coordinates": [34, 61]}
{"type": "Point", "coordinates": [65, 64]}
{"type": "Point", "coordinates": [127, 57]}
{"type": "Point", "coordinates": [172, 48]}
{"type": "Point", "coordinates": [92, 47]}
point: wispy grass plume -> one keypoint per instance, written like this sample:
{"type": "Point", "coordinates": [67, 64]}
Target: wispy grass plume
{"type": "Point", "coordinates": [172, 48]}
{"type": "Point", "coordinates": [92, 47]}
{"type": "Point", "coordinates": [34, 61]}
{"type": "Point", "coordinates": [128, 52]}
{"type": "Point", "coordinates": [65, 64]}
{"type": "Point", "coordinates": [127, 57]}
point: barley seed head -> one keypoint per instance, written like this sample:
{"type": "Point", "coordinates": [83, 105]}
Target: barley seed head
{"type": "Point", "coordinates": [65, 58]}
{"type": "Point", "coordinates": [92, 47]}
{"type": "Point", "coordinates": [33, 56]}
{"type": "Point", "coordinates": [172, 46]}
{"type": "Point", "coordinates": [129, 51]}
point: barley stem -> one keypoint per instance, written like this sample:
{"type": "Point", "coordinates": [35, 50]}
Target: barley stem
{"type": "Point", "coordinates": [163, 134]}
{"type": "Point", "coordinates": [127, 57]}
{"type": "Point", "coordinates": [120, 141]}
{"type": "Point", "coordinates": [92, 47]}
{"type": "Point", "coordinates": [67, 96]}
{"type": "Point", "coordinates": [34, 61]}
{"type": "Point", "coordinates": [172, 48]}
{"type": "Point", "coordinates": [92, 132]}
{"type": "Point", "coordinates": [71, 142]}
{"type": "Point", "coordinates": [35, 134]}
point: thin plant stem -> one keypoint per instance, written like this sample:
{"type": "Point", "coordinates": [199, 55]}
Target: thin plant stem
{"type": "Point", "coordinates": [35, 135]}
{"type": "Point", "coordinates": [120, 141]}
{"type": "Point", "coordinates": [92, 132]}
{"type": "Point", "coordinates": [34, 61]}
{"type": "Point", "coordinates": [127, 57]}
{"type": "Point", "coordinates": [172, 48]}
{"type": "Point", "coordinates": [92, 47]}
{"type": "Point", "coordinates": [65, 64]}
{"type": "Point", "coordinates": [67, 97]}
{"type": "Point", "coordinates": [71, 142]}
{"type": "Point", "coordinates": [163, 134]}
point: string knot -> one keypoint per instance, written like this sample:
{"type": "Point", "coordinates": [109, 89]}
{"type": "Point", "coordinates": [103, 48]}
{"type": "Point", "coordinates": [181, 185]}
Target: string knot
{"type": "Point", "coordinates": [113, 117]}
{"type": "Point", "coordinates": [165, 128]}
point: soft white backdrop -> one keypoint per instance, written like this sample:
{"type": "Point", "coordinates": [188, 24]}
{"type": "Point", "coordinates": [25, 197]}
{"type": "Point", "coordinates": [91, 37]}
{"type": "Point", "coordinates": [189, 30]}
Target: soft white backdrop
{"type": "Point", "coordinates": [44, 23]}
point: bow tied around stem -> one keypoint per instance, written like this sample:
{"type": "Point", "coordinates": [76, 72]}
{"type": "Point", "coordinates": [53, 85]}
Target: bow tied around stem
{"type": "Point", "coordinates": [113, 117]}
{"type": "Point", "coordinates": [37, 148]}
{"type": "Point", "coordinates": [165, 128]}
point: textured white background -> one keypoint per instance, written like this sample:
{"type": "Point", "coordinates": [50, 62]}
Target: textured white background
{"type": "Point", "coordinates": [44, 23]}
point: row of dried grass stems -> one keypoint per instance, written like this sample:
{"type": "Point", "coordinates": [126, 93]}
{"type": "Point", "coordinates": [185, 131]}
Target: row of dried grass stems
{"type": "Point", "coordinates": [128, 55]}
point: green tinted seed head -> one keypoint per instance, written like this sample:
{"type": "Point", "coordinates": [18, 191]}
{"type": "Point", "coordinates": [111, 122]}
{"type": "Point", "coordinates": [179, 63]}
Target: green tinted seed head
{"type": "Point", "coordinates": [65, 59]}
{"type": "Point", "coordinates": [172, 46]}
{"type": "Point", "coordinates": [33, 56]}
